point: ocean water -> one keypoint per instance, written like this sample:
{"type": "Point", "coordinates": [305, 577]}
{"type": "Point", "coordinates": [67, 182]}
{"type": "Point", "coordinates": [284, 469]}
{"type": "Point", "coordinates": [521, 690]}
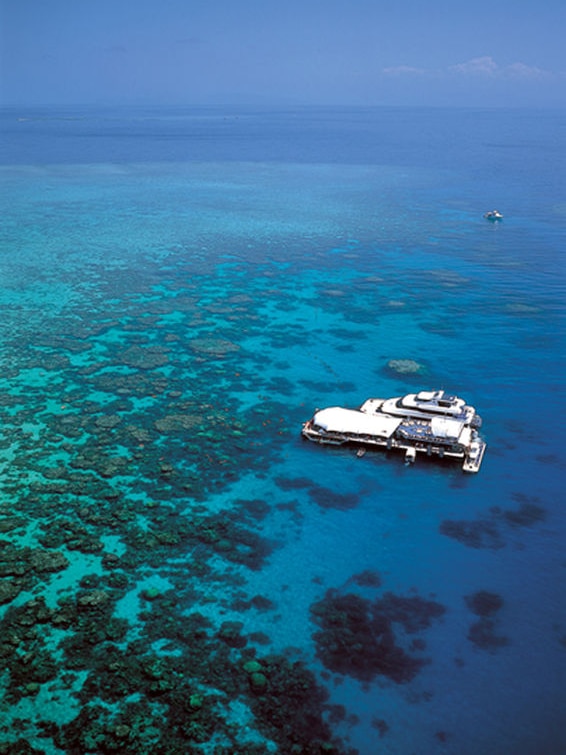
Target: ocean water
{"type": "Point", "coordinates": [180, 571]}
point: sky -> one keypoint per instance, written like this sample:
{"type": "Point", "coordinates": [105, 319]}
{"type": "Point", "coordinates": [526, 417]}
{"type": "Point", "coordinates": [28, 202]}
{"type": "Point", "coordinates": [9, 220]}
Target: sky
{"type": "Point", "coordinates": [288, 52]}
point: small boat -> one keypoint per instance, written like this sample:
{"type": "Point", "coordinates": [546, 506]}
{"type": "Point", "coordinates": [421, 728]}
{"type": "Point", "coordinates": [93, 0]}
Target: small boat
{"type": "Point", "coordinates": [410, 456]}
{"type": "Point", "coordinates": [493, 215]}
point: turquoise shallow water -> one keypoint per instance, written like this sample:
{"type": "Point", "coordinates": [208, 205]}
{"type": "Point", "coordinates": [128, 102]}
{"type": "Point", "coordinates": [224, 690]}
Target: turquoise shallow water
{"type": "Point", "coordinates": [180, 572]}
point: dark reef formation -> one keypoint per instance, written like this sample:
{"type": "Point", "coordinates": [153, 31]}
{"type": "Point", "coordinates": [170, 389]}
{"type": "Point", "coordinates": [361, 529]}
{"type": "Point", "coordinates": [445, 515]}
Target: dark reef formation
{"type": "Point", "coordinates": [484, 603]}
{"type": "Point", "coordinates": [490, 530]}
{"type": "Point", "coordinates": [323, 497]}
{"type": "Point", "coordinates": [362, 638]}
{"type": "Point", "coordinates": [367, 578]}
{"type": "Point", "coordinates": [479, 533]}
{"type": "Point", "coordinates": [482, 634]}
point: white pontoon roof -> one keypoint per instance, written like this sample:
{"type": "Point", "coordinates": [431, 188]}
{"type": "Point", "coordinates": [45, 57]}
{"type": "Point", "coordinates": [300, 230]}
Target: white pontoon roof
{"type": "Point", "coordinates": [446, 428]}
{"type": "Point", "coordinates": [339, 420]}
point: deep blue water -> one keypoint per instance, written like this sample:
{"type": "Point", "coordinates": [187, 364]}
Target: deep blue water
{"type": "Point", "coordinates": [181, 289]}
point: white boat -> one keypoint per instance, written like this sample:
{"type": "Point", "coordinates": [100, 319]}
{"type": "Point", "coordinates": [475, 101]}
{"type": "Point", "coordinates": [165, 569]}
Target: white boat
{"type": "Point", "coordinates": [424, 405]}
{"type": "Point", "coordinates": [493, 215]}
{"type": "Point", "coordinates": [428, 422]}
{"type": "Point", "coordinates": [473, 460]}
{"type": "Point", "coordinates": [410, 455]}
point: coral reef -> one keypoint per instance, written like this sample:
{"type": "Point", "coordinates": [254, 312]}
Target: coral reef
{"type": "Point", "coordinates": [489, 530]}
{"type": "Point", "coordinates": [482, 633]}
{"type": "Point", "coordinates": [406, 367]}
{"type": "Point", "coordinates": [357, 636]}
{"type": "Point", "coordinates": [111, 562]}
{"type": "Point", "coordinates": [484, 603]}
{"type": "Point", "coordinates": [474, 534]}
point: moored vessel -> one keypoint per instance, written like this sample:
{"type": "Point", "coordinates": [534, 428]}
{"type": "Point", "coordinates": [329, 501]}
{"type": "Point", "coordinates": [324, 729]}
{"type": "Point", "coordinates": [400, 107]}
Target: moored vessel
{"type": "Point", "coordinates": [493, 215]}
{"type": "Point", "coordinates": [429, 422]}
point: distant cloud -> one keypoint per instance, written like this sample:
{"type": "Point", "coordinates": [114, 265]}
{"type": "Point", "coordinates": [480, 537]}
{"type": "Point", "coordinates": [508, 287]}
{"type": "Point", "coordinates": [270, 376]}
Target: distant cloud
{"type": "Point", "coordinates": [525, 72]}
{"type": "Point", "coordinates": [484, 66]}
